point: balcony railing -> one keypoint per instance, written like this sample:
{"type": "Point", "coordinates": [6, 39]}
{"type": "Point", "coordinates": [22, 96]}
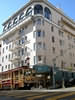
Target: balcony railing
{"type": "Point", "coordinates": [14, 58]}
{"type": "Point", "coordinates": [13, 25]}
{"type": "Point", "coordinates": [14, 47]}
{"type": "Point", "coordinates": [18, 46]}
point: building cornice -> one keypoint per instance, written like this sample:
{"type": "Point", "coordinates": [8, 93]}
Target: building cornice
{"type": "Point", "coordinates": [46, 2]}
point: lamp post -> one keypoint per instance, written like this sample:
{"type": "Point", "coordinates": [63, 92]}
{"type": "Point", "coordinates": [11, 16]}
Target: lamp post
{"type": "Point", "coordinates": [63, 83]}
{"type": "Point", "coordinates": [53, 70]}
{"type": "Point", "coordinates": [53, 77]}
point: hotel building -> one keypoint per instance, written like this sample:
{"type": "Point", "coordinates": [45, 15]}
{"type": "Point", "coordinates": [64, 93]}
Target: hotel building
{"type": "Point", "coordinates": [38, 33]}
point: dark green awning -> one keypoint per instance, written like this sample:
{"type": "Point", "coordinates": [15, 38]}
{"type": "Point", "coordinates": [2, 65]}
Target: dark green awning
{"type": "Point", "coordinates": [42, 68]}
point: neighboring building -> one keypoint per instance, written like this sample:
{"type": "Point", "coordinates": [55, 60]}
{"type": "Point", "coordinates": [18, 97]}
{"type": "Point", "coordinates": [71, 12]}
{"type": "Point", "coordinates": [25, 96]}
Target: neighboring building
{"type": "Point", "coordinates": [0, 55]}
{"type": "Point", "coordinates": [38, 33]}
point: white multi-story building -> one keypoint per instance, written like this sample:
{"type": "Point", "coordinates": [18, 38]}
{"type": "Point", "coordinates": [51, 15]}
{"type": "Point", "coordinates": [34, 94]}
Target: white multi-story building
{"type": "Point", "coordinates": [38, 33]}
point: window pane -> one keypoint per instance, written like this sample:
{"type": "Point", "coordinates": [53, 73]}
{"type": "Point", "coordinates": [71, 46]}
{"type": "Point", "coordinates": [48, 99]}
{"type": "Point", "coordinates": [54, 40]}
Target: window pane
{"type": "Point", "coordinates": [39, 33]}
{"type": "Point", "coordinates": [29, 11]}
{"type": "Point", "coordinates": [47, 13]}
{"type": "Point", "coordinates": [38, 9]}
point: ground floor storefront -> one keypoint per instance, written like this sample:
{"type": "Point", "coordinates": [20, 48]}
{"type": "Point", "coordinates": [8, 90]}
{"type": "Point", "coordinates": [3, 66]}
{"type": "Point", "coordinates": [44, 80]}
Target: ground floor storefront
{"type": "Point", "coordinates": [40, 76]}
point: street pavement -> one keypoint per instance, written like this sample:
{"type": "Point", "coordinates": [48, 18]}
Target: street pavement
{"type": "Point", "coordinates": [39, 94]}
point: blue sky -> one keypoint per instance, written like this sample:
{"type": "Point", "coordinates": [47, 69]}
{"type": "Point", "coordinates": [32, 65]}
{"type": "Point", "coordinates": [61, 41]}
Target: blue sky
{"type": "Point", "coordinates": [8, 7]}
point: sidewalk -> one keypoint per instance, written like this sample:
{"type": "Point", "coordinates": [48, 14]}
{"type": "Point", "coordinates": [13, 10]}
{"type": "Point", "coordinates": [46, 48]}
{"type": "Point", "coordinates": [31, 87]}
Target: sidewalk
{"type": "Point", "coordinates": [71, 89]}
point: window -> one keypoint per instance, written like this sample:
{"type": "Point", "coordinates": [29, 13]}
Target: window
{"type": "Point", "coordinates": [69, 45]}
{"type": "Point", "coordinates": [47, 13]}
{"type": "Point", "coordinates": [2, 59]}
{"type": "Point", "coordinates": [12, 55]}
{"type": "Point", "coordinates": [22, 63]}
{"type": "Point", "coordinates": [43, 22]}
{"type": "Point", "coordinates": [21, 30]}
{"type": "Point", "coordinates": [29, 11]}
{"type": "Point", "coordinates": [6, 47]}
{"type": "Point", "coordinates": [22, 40]}
{"type": "Point", "coordinates": [62, 64]}
{"type": "Point", "coordinates": [34, 34]}
{"type": "Point", "coordinates": [39, 45]}
{"type": "Point", "coordinates": [2, 68]}
{"type": "Point", "coordinates": [53, 39]}
{"type": "Point", "coordinates": [34, 59]}
{"type": "Point", "coordinates": [39, 33]}
{"type": "Point", "coordinates": [9, 56]}
{"type": "Point", "coordinates": [25, 38]}
{"type": "Point", "coordinates": [6, 56]}
{"type": "Point", "coordinates": [34, 46]}
{"type": "Point", "coordinates": [74, 40]}
{"type": "Point", "coordinates": [9, 46]}
{"type": "Point", "coordinates": [19, 42]}
{"type": "Point", "coordinates": [39, 58]}
{"type": "Point", "coordinates": [26, 26]}
{"type": "Point", "coordinates": [3, 50]}
{"type": "Point", "coordinates": [9, 25]}
{"type": "Point", "coordinates": [43, 33]}
{"type": "Point", "coordinates": [38, 9]}
{"type": "Point", "coordinates": [70, 53]}
{"type": "Point", "coordinates": [54, 62]}
{"type": "Point", "coordinates": [53, 49]}
{"type": "Point", "coordinates": [9, 67]}
{"type": "Point", "coordinates": [61, 42]}
{"type": "Point", "coordinates": [61, 53]}
{"type": "Point", "coordinates": [18, 63]}
{"type": "Point", "coordinates": [60, 33]}
{"type": "Point", "coordinates": [15, 20]}
{"type": "Point", "coordinates": [21, 16]}
{"type": "Point", "coordinates": [44, 60]}
{"type": "Point", "coordinates": [5, 27]}
{"type": "Point", "coordinates": [69, 37]}
{"type": "Point", "coordinates": [6, 66]}
{"type": "Point", "coordinates": [44, 46]}
{"type": "Point", "coordinates": [22, 52]}
{"type": "Point", "coordinates": [0, 45]}
{"type": "Point", "coordinates": [4, 42]}
{"type": "Point", "coordinates": [52, 28]}
{"type": "Point", "coordinates": [25, 49]}
{"type": "Point", "coordinates": [39, 21]}
{"type": "Point", "coordinates": [18, 52]}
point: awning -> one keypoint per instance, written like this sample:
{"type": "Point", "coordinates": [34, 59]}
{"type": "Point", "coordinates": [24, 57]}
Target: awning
{"type": "Point", "coordinates": [42, 68]}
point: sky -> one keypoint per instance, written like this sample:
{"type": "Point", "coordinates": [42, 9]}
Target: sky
{"type": "Point", "coordinates": [8, 7]}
